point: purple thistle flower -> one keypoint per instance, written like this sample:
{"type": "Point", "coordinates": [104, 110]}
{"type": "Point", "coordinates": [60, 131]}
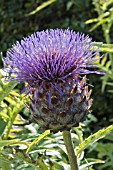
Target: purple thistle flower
{"type": "Point", "coordinates": [52, 62]}
{"type": "Point", "coordinates": [51, 56]}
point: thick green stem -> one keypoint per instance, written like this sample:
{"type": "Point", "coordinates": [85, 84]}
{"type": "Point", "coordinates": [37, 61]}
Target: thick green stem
{"type": "Point", "coordinates": [70, 150]}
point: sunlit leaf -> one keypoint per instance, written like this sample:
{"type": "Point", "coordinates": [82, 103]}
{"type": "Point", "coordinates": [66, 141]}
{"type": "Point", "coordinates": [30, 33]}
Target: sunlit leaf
{"type": "Point", "coordinates": [94, 138]}
{"type": "Point", "coordinates": [98, 24]}
{"type": "Point", "coordinates": [90, 162]}
{"type": "Point", "coordinates": [47, 132]}
{"type": "Point", "coordinates": [91, 21]}
{"type": "Point", "coordinates": [43, 5]}
{"type": "Point", "coordinates": [104, 47]}
{"type": "Point", "coordinates": [12, 142]}
{"type": "Point", "coordinates": [6, 89]}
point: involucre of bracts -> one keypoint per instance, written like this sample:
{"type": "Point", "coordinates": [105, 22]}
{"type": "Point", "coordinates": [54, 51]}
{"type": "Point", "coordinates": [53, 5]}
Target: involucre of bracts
{"type": "Point", "coordinates": [64, 111]}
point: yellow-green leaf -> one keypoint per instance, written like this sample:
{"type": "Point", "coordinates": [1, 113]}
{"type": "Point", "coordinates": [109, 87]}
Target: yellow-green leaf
{"type": "Point", "coordinates": [43, 5]}
{"type": "Point", "coordinates": [94, 138]}
{"type": "Point", "coordinates": [39, 138]}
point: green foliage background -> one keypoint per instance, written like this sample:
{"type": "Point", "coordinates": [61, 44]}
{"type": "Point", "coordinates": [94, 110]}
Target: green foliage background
{"type": "Point", "coordinates": [18, 21]}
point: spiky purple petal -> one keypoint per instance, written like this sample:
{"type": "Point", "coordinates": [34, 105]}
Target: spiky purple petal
{"type": "Point", "coordinates": [51, 57]}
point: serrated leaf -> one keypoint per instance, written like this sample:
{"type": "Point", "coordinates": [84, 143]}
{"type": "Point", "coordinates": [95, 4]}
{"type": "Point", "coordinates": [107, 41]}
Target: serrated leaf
{"type": "Point", "coordinates": [94, 138]}
{"type": "Point", "coordinates": [6, 89]}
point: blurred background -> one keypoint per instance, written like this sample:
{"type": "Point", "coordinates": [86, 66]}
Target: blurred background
{"type": "Point", "coordinates": [21, 18]}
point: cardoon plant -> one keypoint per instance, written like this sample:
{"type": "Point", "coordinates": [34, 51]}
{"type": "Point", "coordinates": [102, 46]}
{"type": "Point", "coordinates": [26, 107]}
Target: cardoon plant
{"type": "Point", "coordinates": [51, 64]}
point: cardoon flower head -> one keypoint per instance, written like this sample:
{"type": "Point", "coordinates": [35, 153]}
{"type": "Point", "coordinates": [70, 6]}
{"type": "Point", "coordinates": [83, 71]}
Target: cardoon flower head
{"type": "Point", "coordinates": [51, 63]}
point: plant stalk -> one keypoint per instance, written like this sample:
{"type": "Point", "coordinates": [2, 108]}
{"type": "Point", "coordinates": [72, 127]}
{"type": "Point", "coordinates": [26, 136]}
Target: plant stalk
{"type": "Point", "coordinates": [70, 150]}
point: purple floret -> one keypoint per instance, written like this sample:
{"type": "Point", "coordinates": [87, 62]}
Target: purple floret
{"type": "Point", "coordinates": [52, 56]}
